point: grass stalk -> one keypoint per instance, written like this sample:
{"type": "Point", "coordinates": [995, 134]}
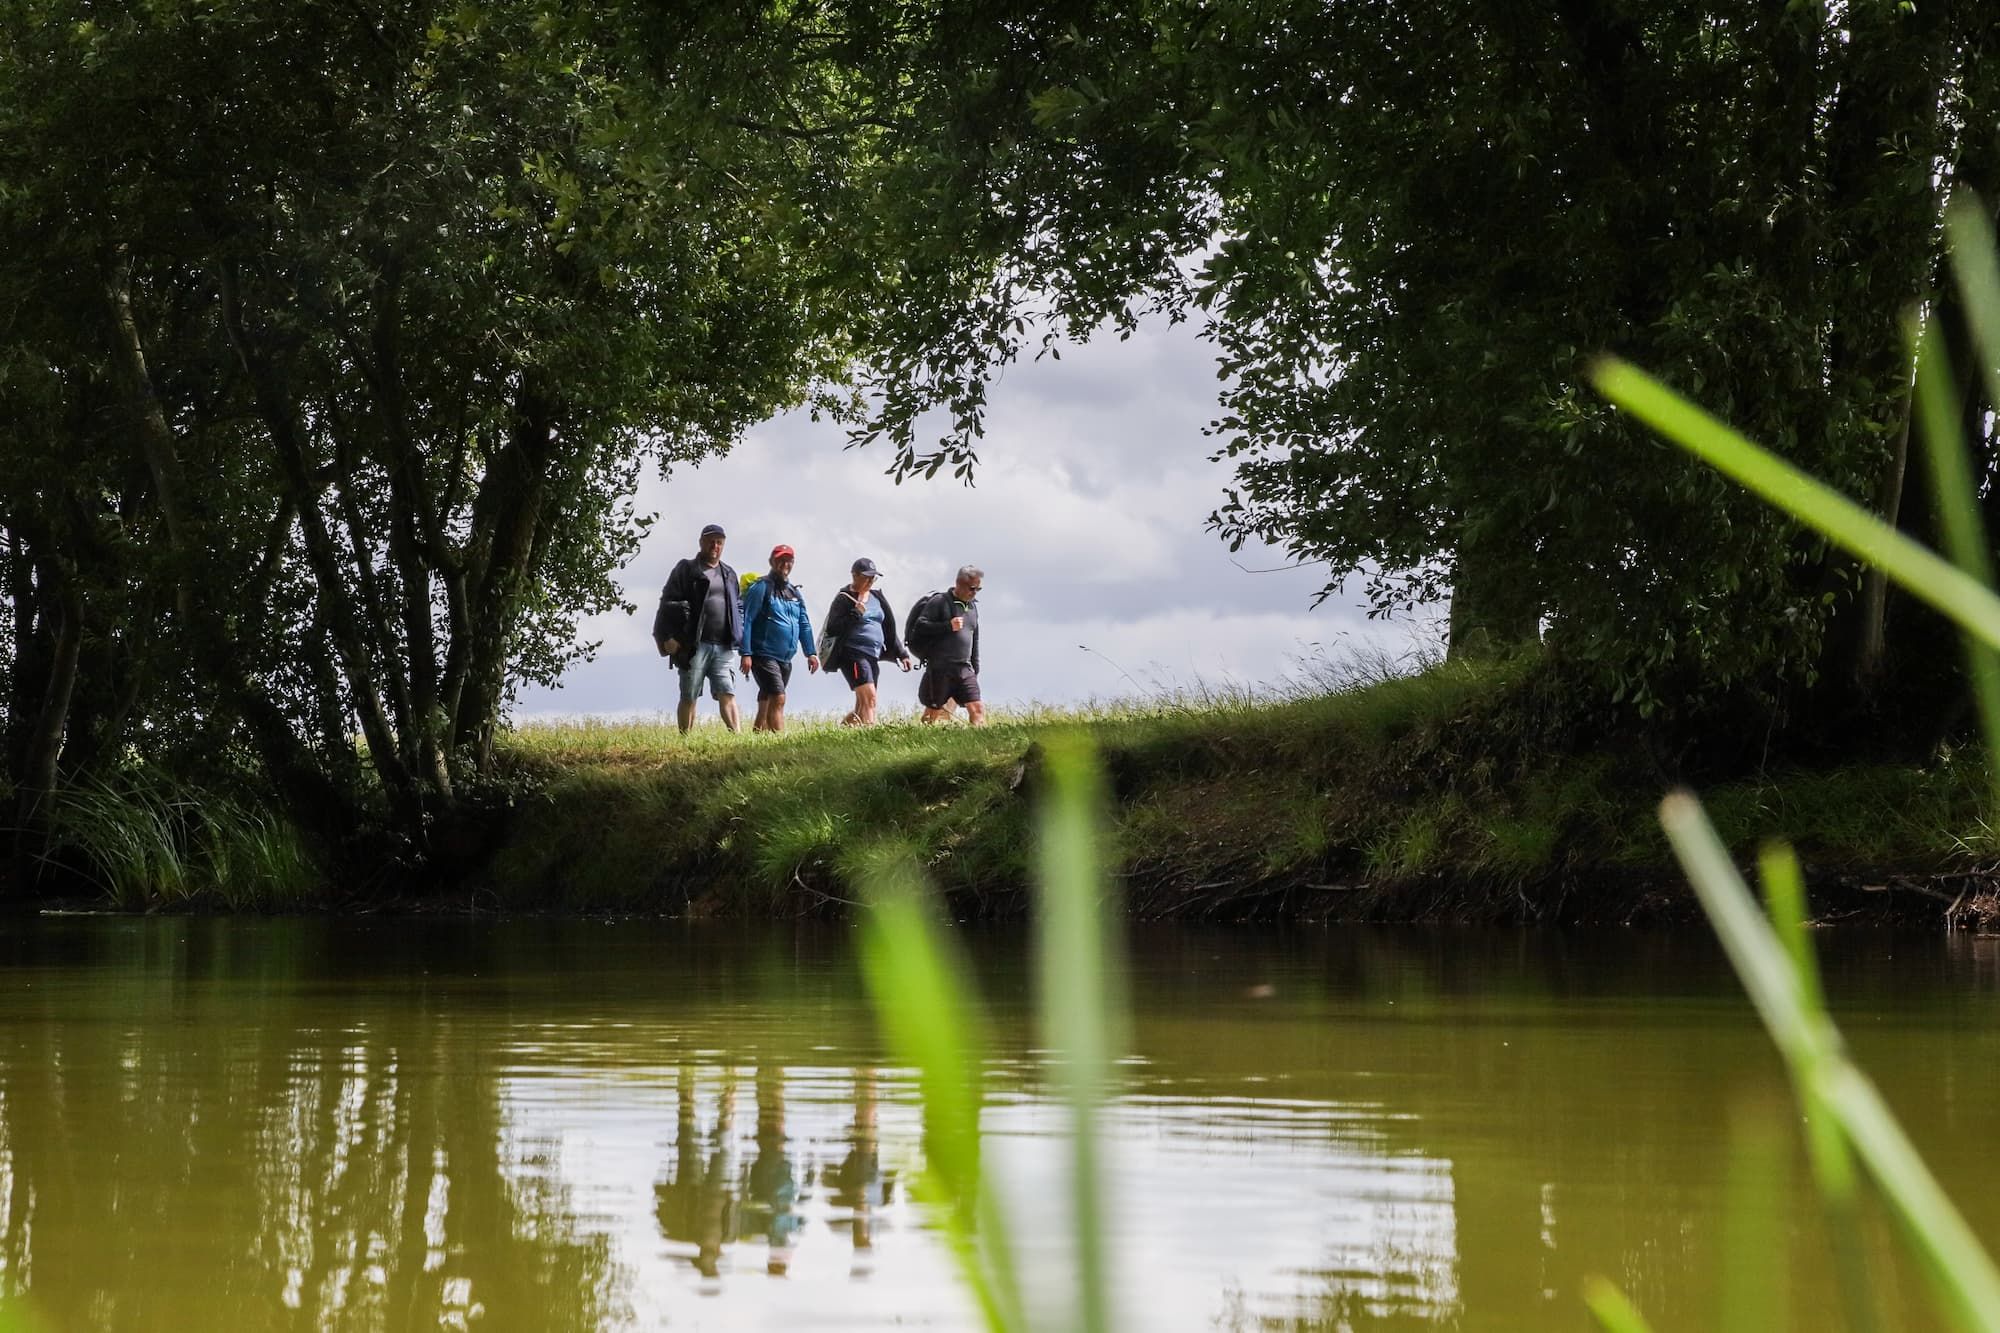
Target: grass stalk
{"type": "Point", "coordinates": [1611, 1308]}
{"type": "Point", "coordinates": [1826, 1148]}
{"type": "Point", "coordinates": [1937, 413]}
{"type": "Point", "coordinates": [914, 977]}
{"type": "Point", "coordinates": [1080, 1016]}
{"type": "Point", "coordinates": [1921, 572]}
{"type": "Point", "coordinates": [1961, 1273]}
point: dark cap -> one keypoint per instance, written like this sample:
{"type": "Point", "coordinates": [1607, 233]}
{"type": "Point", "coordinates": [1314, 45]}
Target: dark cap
{"type": "Point", "coordinates": [713, 530]}
{"type": "Point", "coordinates": [866, 566]}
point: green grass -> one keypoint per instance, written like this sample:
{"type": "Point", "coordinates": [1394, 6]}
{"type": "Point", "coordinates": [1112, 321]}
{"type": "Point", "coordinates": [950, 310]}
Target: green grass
{"type": "Point", "coordinates": [1222, 807]}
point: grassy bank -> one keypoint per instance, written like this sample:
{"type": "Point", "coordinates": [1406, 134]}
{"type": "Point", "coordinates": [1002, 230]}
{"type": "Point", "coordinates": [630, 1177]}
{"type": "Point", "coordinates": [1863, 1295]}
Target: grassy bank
{"type": "Point", "coordinates": [1417, 798]}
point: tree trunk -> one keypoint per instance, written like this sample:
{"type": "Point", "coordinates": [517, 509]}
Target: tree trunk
{"type": "Point", "coordinates": [156, 438]}
{"type": "Point", "coordinates": [45, 736]}
{"type": "Point", "coordinates": [342, 618]}
{"type": "Point", "coordinates": [507, 514]}
{"type": "Point", "coordinates": [1495, 605]}
{"type": "Point", "coordinates": [1883, 135]}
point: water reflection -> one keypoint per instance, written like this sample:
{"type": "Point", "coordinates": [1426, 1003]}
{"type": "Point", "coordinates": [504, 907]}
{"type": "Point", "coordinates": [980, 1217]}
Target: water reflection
{"type": "Point", "coordinates": [168, 1164]}
{"type": "Point", "coordinates": [583, 1126]}
{"type": "Point", "coordinates": [704, 1201]}
{"type": "Point", "coordinates": [860, 1186]}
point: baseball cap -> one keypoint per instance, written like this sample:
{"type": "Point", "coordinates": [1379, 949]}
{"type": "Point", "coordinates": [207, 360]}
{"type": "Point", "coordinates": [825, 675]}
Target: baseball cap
{"type": "Point", "coordinates": [866, 566]}
{"type": "Point", "coordinates": [780, 551]}
{"type": "Point", "coordinates": [713, 530]}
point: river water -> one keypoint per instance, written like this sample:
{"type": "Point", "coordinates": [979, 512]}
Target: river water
{"type": "Point", "coordinates": [564, 1125]}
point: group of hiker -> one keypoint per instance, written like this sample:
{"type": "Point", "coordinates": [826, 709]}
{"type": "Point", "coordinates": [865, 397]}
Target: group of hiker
{"type": "Point", "coordinates": [710, 622]}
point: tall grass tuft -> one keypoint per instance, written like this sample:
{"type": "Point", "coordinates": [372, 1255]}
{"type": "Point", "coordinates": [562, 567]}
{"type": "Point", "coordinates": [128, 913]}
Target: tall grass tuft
{"type": "Point", "coordinates": [149, 842]}
{"type": "Point", "coordinates": [1848, 1124]}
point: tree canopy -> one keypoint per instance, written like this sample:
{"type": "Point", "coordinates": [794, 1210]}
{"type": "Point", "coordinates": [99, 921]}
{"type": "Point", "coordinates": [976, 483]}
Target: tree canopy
{"type": "Point", "coordinates": [332, 340]}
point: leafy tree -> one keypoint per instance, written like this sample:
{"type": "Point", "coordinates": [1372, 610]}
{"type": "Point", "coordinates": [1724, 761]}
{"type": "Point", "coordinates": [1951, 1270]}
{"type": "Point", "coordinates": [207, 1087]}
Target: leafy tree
{"type": "Point", "coordinates": [360, 322]}
{"type": "Point", "coordinates": [1409, 227]}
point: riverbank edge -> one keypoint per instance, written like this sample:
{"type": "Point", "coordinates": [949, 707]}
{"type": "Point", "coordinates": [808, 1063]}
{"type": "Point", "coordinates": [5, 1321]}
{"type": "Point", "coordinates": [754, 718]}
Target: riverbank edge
{"type": "Point", "coordinates": [1435, 798]}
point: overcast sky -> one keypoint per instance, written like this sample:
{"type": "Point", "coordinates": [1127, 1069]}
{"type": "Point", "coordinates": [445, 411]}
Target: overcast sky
{"type": "Point", "coordinates": [1086, 516]}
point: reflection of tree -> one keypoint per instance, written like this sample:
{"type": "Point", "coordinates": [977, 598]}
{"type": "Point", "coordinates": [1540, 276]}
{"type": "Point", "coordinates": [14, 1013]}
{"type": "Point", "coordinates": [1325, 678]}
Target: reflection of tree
{"type": "Point", "coordinates": [196, 1141]}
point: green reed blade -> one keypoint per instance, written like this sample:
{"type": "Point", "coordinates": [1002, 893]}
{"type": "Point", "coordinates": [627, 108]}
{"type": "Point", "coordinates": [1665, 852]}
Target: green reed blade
{"type": "Point", "coordinates": [1967, 1285]}
{"type": "Point", "coordinates": [1785, 900]}
{"type": "Point", "coordinates": [1925, 575]}
{"type": "Point", "coordinates": [1975, 262]}
{"type": "Point", "coordinates": [914, 979]}
{"type": "Point", "coordinates": [1755, 1240]}
{"type": "Point", "coordinates": [1937, 412]}
{"type": "Point", "coordinates": [1609, 1306]}
{"type": "Point", "coordinates": [1080, 1017]}
{"type": "Point", "coordinates": [1826, 1147]}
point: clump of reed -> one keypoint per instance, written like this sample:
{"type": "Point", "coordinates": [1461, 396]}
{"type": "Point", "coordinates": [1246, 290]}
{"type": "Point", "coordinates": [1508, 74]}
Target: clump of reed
{"type": "Point", "coordinates": [148, 841]}
{"type": "Point", "coordinates": [1851, 1136]}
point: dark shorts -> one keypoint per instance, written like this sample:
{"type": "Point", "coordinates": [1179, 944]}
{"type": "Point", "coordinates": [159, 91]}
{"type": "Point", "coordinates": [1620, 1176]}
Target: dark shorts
{"type": "Point", "coordinates": [954, 681]}
{"type": "Point", "coordinates": [771, 676]}
{"type": "Point", "coordinates": [859, 671]}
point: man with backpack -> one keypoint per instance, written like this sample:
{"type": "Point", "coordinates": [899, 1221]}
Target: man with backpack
{"type": "Point", "coordinates": [697, 626]}
{"type": "Point", "coordinates": [944, 635]}
{"type": "Point", "coordinates": [775, 626]}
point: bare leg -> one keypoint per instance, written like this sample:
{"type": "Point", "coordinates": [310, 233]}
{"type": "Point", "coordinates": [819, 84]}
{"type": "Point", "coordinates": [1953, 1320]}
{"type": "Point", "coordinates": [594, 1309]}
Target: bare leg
{"type": "Point", "coordinates": [864, 705]}
{"type": "Point", "coordinates": [975, 713]}
{"type": "Point", "coordinates": [685, 715]}
{"type": "Point", "coordinates": [727, 706]}
{"type": "Point", "coordinates": [774, 719]}
{"type": "Point", "coordinates": [938, 714]}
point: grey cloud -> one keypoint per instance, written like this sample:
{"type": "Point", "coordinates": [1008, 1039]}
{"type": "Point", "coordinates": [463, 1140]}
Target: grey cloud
{"type": "Point", "coordinates": [1087, 518]}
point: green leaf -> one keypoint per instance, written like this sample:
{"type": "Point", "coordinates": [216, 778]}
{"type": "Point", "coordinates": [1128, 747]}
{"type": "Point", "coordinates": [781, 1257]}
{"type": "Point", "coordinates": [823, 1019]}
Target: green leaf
{"type": "Point", "coordinates": [1921, 572]}
{"type": "Point", "coordinates": [1961, 1273]}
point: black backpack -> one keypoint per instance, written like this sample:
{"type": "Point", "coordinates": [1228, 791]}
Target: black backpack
{"type": "Point", "coordinates": [921, 636]}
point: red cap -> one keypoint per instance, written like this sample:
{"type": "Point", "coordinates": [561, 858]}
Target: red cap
{"type": "Point", "coordinates": [780, 552]}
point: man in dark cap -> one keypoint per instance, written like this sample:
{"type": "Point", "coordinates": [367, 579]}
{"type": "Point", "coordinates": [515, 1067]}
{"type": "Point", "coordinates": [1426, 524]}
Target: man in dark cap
{"type": "Point", "coordinates": [696, 627]}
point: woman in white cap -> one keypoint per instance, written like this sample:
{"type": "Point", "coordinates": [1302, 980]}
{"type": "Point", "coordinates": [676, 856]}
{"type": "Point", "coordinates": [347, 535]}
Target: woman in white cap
{"type": "Point", "coordinates": [859, 635]}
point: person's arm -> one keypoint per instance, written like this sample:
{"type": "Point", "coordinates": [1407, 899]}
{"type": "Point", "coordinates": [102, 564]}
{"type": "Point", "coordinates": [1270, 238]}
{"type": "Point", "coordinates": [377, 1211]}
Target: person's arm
{"type": "Point", "coordinates": [890, 639]}
{"type": "Point", "coordinates": [806, 635]}
{"type": "Point", "coordinates": [732, 588]}
{"type": "Point", "coordinates": [975, 647]}
{"type": "Point", "coordinates": [753, 605]}
{"type": "Point", "coordinates": [669, 622]}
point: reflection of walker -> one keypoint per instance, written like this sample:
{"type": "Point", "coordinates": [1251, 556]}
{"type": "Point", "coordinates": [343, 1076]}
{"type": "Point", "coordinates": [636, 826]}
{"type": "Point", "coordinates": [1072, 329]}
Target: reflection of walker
{"type": "Point", "coordinates": [859, 1184]}
{"type": "Point", "coordinates": [772, 1187]}
{"type": "Point", "coordinates": [697, 1204]}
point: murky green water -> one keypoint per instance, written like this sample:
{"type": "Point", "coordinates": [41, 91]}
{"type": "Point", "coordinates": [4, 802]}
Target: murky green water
{"type": "Point", "coordinates": [559, 1125]}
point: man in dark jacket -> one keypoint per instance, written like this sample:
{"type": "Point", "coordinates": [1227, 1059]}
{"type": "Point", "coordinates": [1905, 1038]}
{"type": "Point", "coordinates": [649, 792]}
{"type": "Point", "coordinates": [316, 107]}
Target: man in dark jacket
{"type": "Point", "coordinates": [696, 627]}
{"type": "Point", "coordinates": [945, 633]}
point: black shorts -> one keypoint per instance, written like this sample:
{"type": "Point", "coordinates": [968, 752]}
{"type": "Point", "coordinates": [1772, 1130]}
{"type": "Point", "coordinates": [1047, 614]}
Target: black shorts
{"type": "Point", "coordinates": [954, 681]}
{"type": "Point", "coordinates": [771, 675]}
{"type": "Point", "coordinates": [859, 671]}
